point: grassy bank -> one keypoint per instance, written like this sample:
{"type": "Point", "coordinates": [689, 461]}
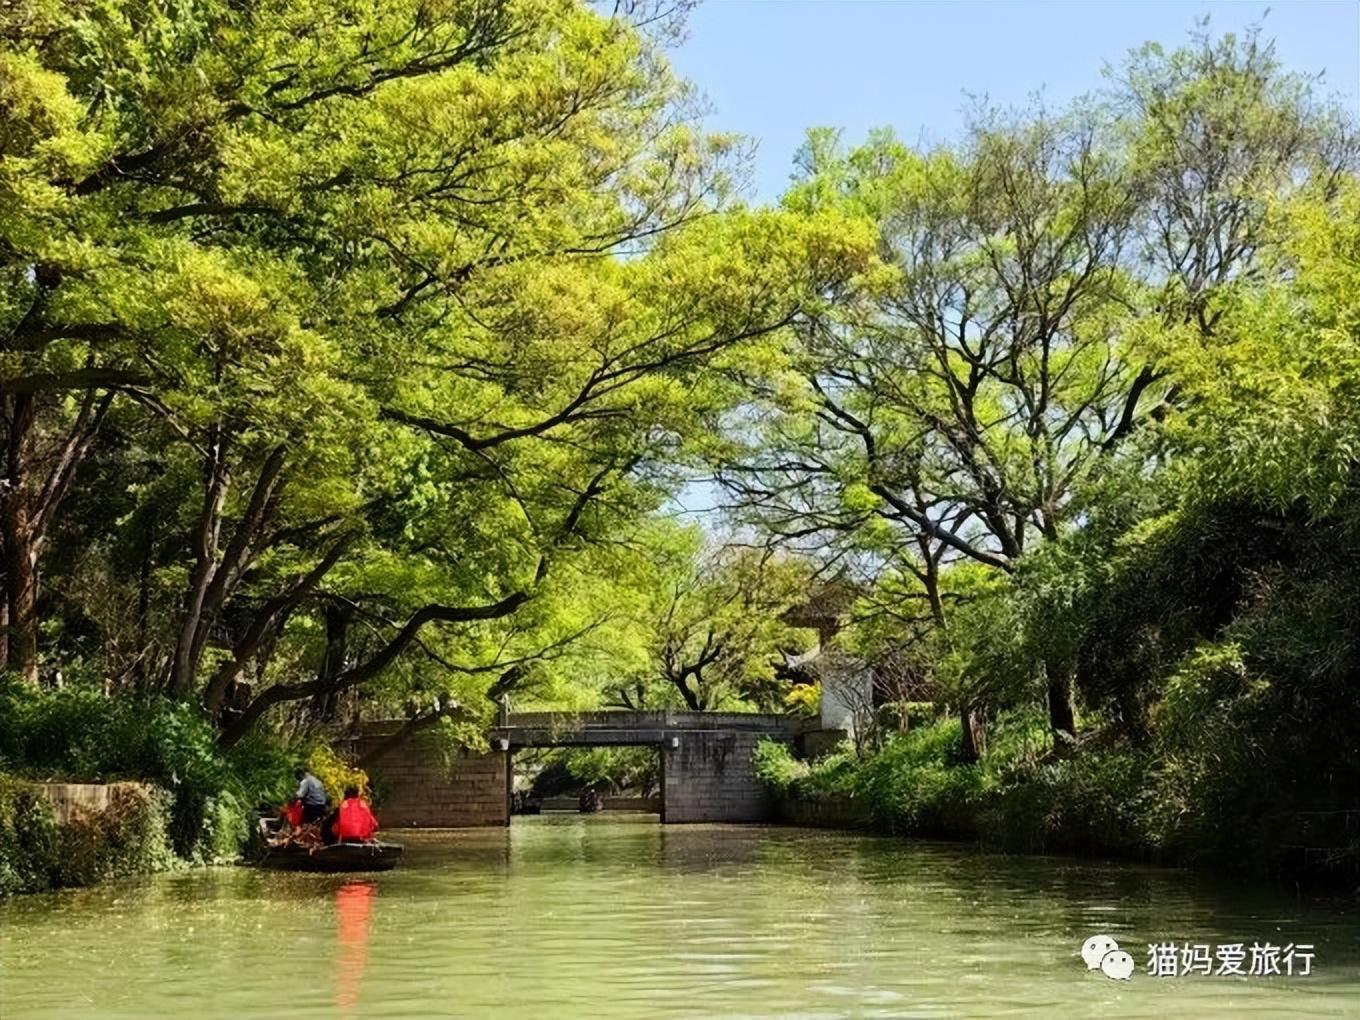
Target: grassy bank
{"type": "Point", "coordinates": [1103, 798]}
{"type": "Point", "coordinates": [192, 806]}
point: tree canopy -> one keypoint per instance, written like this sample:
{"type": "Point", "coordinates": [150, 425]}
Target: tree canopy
{"type": "Point", "coordinates": [353, 322]}
{"type": "Point", "coordinates": [1057, 287]}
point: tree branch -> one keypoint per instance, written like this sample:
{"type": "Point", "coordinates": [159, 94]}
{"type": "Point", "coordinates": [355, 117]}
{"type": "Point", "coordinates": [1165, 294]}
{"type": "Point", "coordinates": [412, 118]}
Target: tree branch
{"type": "Point", "coordinates": [276, 609]}
{"type": "Point", "coordinates": [376, 664]}
{"type": "Point", "coordinates": [75, 379]}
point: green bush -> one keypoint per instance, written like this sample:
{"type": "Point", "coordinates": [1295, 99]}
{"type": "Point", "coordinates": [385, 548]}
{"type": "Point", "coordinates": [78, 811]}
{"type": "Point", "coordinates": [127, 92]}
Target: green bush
{"type": "Point", "coordinates": [913, 783]}
{"type": "Point", "coordinates": [36, 853]}
{"type": "Point", "coordinates": [28, 840]}
{"type": "Point", "coordinates": [1096, 801]}
{"type": "Point", "coordinates": [776, 766]}
{"type": "Point", "coordinates": [78, 734]}
{"type": "Point", "coordinates": [916, 784]}
{"type": "Point", "coordinates": [567, 771]}
{"type": "Point", "coordinates": [1019, 796]}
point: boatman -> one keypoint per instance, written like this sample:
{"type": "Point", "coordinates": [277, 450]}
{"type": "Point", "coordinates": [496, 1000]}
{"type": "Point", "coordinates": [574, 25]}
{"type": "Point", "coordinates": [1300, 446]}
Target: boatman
{"type": "Point", "coordinates": [311, 794]}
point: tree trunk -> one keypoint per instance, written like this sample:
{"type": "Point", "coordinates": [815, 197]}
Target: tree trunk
{"type": "Point", "coordinates": [974, 734]}
{"type": "Point", "coordinates": [206, 535]}
{"type": "Point", "coordinates": [16, 524]}
{"type": "Point", "coordinates": [4, 623]}
{"type": "Point", "coordinates": [1060, 718]}
{"type": "Point", "coordinates": [140, 670]}
{"type": "Point", "coordinates": [21, 590]}
{"type": "Point", "coordinates": [337, 616]}
{"type": "Point", "coordinates": [238, 553]}
{"type": "Point", "coordinates": [214, 579]}
{"type": "Point", "coordinates": [371, 667]}
{"type": "Point", "coordinates": [28, 505]}
{"type": "Point", "coordinates": [686, 692]}
{"type": "Point", "coordinates": [270, 618]}
{"type": "Point", "coordinates": [1131, 718]}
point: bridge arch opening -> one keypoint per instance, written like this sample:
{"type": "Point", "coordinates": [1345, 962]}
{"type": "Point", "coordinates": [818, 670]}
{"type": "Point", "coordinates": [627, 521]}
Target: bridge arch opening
{"type": "Point", "coordinates": [620, 779]}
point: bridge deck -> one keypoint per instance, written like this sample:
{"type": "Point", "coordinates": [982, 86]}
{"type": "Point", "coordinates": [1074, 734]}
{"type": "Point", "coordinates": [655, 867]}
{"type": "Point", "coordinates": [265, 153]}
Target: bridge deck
{"type": "Point", "coordinates": [596, 729]}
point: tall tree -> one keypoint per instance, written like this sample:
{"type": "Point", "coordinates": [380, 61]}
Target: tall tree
{"type": "Point", "coordinates": [403, 306]}
{"type": "Point", "coordinates": [962, 410]}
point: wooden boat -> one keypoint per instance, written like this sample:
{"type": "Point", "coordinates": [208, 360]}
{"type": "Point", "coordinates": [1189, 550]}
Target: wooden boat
{"type": "Point", "coordinates": [375, 856]}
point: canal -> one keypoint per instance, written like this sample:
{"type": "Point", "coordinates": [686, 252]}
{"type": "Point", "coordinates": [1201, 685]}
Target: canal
{"type": "Point", "coordinates": [620, 917]}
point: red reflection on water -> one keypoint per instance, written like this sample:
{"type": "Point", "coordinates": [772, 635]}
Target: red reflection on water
{"type": "Point", "coordinates": [353, 905]}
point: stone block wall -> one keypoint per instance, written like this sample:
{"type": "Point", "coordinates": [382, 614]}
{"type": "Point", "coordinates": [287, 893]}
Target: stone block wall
{"type": "Point", "coordinates": [419, 788]}
{"type": "Point", "coordinates": [710, 777]}
{"type": "Point", "coordinates": [76, 801]}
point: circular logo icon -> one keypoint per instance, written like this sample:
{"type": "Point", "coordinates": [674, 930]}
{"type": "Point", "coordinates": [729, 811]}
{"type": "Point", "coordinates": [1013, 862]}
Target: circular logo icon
{"type": "Point", "coordinates": [1094, 949]}
{"type": "Point", "coordinates": [1117, 964]}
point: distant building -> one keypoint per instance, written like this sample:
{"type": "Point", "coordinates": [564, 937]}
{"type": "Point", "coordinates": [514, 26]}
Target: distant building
{"type": "Point", "coordinates": [847, 682]}
{"type": "Point", "coordinates": [852, 689]}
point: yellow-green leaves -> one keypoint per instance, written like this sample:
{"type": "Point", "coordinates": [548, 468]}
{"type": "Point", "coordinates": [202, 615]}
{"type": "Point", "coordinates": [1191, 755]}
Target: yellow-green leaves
{"type": "Point", "coordinates": [39, 118]}
{"type": "Point", "coordinates": [1271, 397]}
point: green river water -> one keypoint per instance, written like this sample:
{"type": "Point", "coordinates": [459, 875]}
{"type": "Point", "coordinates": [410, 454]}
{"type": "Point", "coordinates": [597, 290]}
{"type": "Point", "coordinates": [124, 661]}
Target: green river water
{"type": "Point", "coordinates": [621, 917]}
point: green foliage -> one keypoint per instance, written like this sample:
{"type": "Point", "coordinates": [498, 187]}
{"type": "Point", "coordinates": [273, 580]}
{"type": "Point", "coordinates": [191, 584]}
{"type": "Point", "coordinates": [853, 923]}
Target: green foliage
{"type": "Point", "coordinates": [1020, 797]}
{"type": "Point", "coordinates": [1271, 411]}
{"type": "Point", "coordinates": [28, 853]}
{"type": "Point", "coordinates": [335, 773]}
{"type": "Point", "coordinates": [1100, 801]}
{"type": "Point", "coordinates": [717, 627]}
{"type": "Point", "coordinates": [1090, 318]}
{"type": "Point", "coordinates": [36, 854]}
{"type": "Point", "coordinates": [916, 783]}
{"type": "Point", "coordinates": [79, 734]}
{"type": "Point", "coordinates": [604, 769]}
{"type": "Point", "coordinates": [383, 342]}
{"type": "Point", "coordinates": [1219, 781]}
{"type": "Point", "coordinates": [803, 699]}
{"type": "Point", "coordinates": [438, 304]}
{"type": "Point", "coordinates": [1146, 465]}
{"type": "Point", "coordinates": [776, 766]}
{"type": "Point", "coordinates": [616, 768]}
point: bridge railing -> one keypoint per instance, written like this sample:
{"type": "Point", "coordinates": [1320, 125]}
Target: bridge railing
{"type": "Point", "coordinates": [659, 720]}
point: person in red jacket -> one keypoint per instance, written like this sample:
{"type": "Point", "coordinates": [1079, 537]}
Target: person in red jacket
{"type": "Point", "coordinates": [354, 821]}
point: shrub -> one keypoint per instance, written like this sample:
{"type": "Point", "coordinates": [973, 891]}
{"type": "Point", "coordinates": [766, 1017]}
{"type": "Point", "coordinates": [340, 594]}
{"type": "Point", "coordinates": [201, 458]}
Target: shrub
{"type": "Point", "coordinates": [77, 733]}
{"type": "Point", "coordinates": [129, 838]}
{"type": "Point", "coordinates": [776, 766]}
{"type": "Point", "coordinates": [28, 839]}
{"type": "Point", "coordinates": [1096, 801]}
{"type": "Point", "coordinates": [1019, 796]}
{"type": "Point", "coordinates": [911, 784]}
{"type": "Point", "coordinates": [915, 784]}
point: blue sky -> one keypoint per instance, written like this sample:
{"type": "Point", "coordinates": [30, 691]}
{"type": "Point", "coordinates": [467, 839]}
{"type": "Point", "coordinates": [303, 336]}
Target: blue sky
{"type": "Point", "coordinates": [772, 68]}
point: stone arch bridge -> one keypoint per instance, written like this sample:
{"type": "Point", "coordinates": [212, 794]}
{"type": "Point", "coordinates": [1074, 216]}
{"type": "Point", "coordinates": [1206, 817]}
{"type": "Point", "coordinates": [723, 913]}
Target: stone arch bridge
{"type": "Point", "coordinates": [707, 774]}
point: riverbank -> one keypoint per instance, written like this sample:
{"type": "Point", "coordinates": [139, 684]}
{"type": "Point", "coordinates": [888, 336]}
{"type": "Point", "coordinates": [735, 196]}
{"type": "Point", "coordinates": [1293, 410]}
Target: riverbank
{"type": "Point", "coordinates": [93, 787]}
{"type": "Point", "coordinates": [59, 835]}
{"type": "Point", "coordinates": [1101, 799]}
